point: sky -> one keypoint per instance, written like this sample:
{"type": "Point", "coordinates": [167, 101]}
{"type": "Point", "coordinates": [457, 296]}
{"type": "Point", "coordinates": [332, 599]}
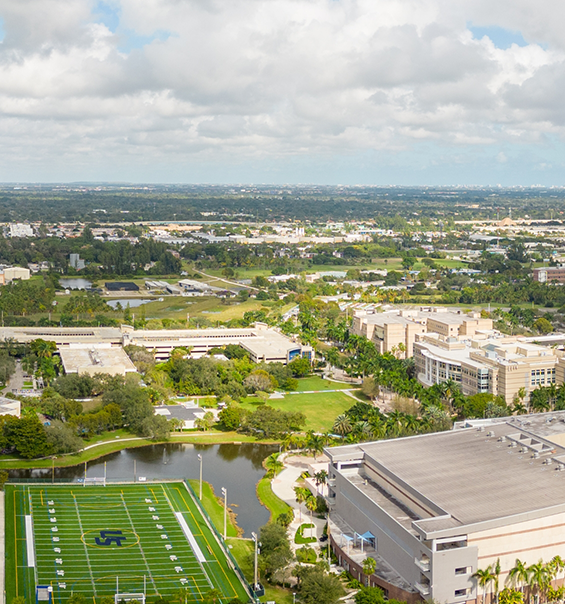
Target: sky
{"type": "Point", "coordinates": [283, 91]}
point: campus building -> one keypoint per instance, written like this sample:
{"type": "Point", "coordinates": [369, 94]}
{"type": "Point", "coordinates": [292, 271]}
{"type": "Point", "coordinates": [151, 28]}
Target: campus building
{"type": "Point", "coordinates": [433, 509]}
{"type": "Point", "coordinates": [550, 274]}
{"type": "Point", "coordinates": [498, 365]}
{"type": "Point", "coordinates": [263, 344]}
{"type": "Point", "coordinates": [397, 330]}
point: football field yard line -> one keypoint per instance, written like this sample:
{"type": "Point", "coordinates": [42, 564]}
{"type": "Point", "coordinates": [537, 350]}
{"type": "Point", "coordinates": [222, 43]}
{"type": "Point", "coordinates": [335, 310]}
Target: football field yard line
{"type": "Point", "coordinates": [140, 547]}
{"type": "Point", "coordinates": [85, 547]}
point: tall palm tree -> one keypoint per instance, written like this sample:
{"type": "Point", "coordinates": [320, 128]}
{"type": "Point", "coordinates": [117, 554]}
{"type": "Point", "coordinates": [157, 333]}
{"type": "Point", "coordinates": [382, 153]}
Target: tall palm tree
{"type": "Point", "coordinates": [484, 578]}
{"type": "Point", "coordinates": [539, 578]}
{"type": "Point", "coordinates": [369, 567]}
{"type": "Point", "coordinates": [496, 575]}
{"type": "Point", "coordinates": [301, 495]}
{"type": "Point", "coordinates": [311, 504]}
{"type": "Point", "coordinates": [519, 575]}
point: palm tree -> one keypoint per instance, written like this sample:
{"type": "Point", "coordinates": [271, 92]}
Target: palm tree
{"type": "Point", "coordinates": [484, 578]}
{"type": "Point", "coordinates": [342, 425]}
{"type": "Point", "coordinates": [519, 574]}
{"type": "Point", "coordinates": [301, 496]}
{"type": "Point", "coordinates": [369, 567]}
{"type": "Point", "coordinates": [314, 443]}
{"type": "Point", "coordinates": [320, 478]}
{"type": "Point", "coordinates": [539, 577]}
{"type": "Point", "coordinates": [311, 504]}
{"type": "Point", "coordinates": [496, 574]}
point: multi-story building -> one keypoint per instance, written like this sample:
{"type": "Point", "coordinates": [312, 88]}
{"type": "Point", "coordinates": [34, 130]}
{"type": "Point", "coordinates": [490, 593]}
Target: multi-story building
{"type": "Point", "coordinates": [499, 365]}
{"type": "Point", "coordinates": [396, 331]}
{"type": "Point", "coordinates": [435, 508]}
{"type": "Point", "coordinates": [547, 275]}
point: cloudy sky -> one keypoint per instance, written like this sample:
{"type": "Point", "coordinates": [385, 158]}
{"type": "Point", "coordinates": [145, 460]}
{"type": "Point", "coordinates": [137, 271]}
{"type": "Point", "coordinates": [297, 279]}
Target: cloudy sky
{"type": "Point", "coordinates": [325, 91]}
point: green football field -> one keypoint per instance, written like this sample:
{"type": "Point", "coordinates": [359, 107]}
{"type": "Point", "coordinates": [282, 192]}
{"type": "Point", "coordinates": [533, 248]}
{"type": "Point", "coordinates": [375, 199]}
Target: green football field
{"type": "Point", "coordinates": [95, 540]}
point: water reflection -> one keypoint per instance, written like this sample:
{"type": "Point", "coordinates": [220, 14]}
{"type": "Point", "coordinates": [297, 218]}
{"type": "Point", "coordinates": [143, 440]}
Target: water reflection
{"type": "Point", "coordinates": [236, 467]}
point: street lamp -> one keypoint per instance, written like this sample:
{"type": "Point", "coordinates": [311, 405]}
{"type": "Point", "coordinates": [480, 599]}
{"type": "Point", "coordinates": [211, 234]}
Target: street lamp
{"type": "Point", "coordinates": [293, 598]}
{"type": "Point", "coordinates": [255, 576]}
{"type": "Point", "coordinates": [225, 494]}
{"type": "Point", "coordinates": [200, 460]}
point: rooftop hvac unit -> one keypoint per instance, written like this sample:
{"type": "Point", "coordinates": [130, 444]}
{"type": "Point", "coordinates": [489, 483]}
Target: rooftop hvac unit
{"type": "Point", "coordinates": [480, 429]}
{"type": "Point", "coordinates": [491, 433]}
{"type": "Point", "coordinates": [548, 461]}
{"type": "Point", "coordinates": [535, 455]}
{"type": "Point", "coordinates": [523, 450]}
{"type": "Point", "coordinates": [502, 439]}
{"type": "Point", "coordinates": [513, 444]}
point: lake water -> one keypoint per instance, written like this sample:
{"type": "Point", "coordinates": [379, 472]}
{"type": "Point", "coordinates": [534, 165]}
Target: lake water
{"type": "Point", "coordinates": [133, 302]}
{"type": "Point", "coordinates": [235, 467]}
{"type": "Point", "coordinates": [75, 283]}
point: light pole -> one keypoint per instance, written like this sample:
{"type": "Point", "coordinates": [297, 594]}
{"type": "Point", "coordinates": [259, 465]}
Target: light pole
{"type": "Point", "coordinates": [200, 460]}
{"type": "Point", "coordinates": [293, 598]}
{"type": "Point", "coordinates": [225, 494]}
{"type": "Point", "coordinates": [255, 577]}
{"type": "Point", "coordinates": [53, 469]}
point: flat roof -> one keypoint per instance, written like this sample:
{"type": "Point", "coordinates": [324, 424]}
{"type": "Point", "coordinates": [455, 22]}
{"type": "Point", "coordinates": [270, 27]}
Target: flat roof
{"type": "Point", "coordinates": [96, 359]}
{"type": "Point", "coordinates": [472, 476]}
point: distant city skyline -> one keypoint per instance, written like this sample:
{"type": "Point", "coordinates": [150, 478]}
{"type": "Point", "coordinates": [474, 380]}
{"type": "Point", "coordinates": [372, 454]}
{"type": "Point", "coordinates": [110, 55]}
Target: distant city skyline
{"type": "Point", "coordinates": [282, 92]}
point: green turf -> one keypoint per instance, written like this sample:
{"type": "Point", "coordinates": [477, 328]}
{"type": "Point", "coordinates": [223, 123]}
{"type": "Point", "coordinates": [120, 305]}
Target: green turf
{"type": "Point", "coordinates": [317, 383]}
{"type": "Point", "coordinates": [266, 496]}
{"type": "Point", "coordinates": [155, 545]}
{"type": "Point", "coordinates": [320, 409]}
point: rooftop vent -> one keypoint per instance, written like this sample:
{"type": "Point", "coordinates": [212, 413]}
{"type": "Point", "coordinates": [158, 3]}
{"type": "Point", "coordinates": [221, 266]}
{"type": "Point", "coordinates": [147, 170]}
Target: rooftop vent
{"type": "Point", "coordinates": [481, 429]}
{"type": "Point", "coordinates": [491, 433]}
{"type": "Point", "coordinates": [513, 444]}
{"type": "Point", "coordinates": [548, 461]}
{"type": "Point", "coordinates": [523, 450]}
{"type": "Point", "coordinates": [535, 455]}
{"type": "Point", "coordinates": [502, 439]}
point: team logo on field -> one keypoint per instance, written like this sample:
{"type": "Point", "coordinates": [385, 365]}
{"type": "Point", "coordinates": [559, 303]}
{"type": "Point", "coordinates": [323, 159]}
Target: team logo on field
{"type": "Point", "coordinates": [110, 538]}
{"type": "Point", "coordinates": [107, 538]}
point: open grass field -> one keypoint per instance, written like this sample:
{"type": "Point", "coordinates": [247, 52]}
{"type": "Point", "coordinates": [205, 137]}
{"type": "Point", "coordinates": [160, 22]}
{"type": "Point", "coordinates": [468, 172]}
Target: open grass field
{"type": "Point", "coordinates": [320, 408]}
{"type": "Point", "coordinates": [86, 539]}
{"type": "Point", "coordinates": [317, 383]}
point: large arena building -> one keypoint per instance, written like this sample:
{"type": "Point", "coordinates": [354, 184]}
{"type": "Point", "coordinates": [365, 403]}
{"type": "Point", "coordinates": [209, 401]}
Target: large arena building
{"type": "Point", "coordinates": [432, 509]}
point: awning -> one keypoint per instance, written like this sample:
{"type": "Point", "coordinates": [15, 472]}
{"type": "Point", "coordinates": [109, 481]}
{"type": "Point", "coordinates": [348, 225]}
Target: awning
{"type": "Point", "coordinates": [368, 535]}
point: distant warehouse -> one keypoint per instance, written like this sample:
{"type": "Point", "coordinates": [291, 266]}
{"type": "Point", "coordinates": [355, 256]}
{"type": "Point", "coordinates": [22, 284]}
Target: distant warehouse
{"type": "Point", "coordinates": [121, 286]}
{"type": "Point", "coordinates": [92, 359]}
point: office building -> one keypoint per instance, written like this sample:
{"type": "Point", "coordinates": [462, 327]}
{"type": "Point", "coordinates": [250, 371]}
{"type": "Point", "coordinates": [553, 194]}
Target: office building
{"type": "Point", "coordinates": [549, 275]}
{"type": "Point", "coordinates": [499, 365]}
{"type": "Point", "coordinates": [396, 331]}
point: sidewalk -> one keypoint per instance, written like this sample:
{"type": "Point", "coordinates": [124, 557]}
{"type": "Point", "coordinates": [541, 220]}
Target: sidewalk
{"type": "Point", "coordinates": [283, 487]}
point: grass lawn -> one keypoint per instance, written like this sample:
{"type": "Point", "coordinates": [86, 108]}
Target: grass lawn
{"type": "Point", "coordinates": [317, 383]}
{"type": "Point", "coordinates": [266, 496]}
{"type": "Point", "coordinates": [242, 551]}
{"type": "Point", "coordinates": [214, 508]}
{"type": "Point", "coordinates": [320, 408]}
{"type": "Point", "coordinates": [75, 553]}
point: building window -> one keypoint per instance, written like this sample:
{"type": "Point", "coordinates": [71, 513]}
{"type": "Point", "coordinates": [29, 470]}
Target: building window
{"type": "Point", "coordinates": [463, 570]}
{"type": "Point", "coordinates": [460, 593]}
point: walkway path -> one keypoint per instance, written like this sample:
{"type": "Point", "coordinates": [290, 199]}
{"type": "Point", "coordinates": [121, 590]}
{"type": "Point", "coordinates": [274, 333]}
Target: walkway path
{"type": "Point", "coordinates": [283, 487]}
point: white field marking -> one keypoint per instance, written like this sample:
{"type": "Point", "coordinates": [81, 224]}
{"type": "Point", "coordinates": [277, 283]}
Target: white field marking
{"type": "Point", "coordinates": [85, 547]}
{"type": "Point", "coordinates": [139, 544]}
{"type": "Point", "coordinates": [29, 542]}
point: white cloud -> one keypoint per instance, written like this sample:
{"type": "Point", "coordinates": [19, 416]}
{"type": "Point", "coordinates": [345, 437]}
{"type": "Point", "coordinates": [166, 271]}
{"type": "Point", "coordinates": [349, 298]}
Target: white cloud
{"type": "Point", "coordinates": [270, 79]}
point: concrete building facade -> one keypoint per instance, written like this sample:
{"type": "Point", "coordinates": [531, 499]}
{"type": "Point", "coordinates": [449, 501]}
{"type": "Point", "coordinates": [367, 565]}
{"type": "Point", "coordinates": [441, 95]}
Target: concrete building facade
{"type": "Point", "coordinates": [433, 509]}
{"type": "Point", "coordinates": [497, 365]}
{"type": "Point", "coordinates": [547, 275]}
{"type": "Point", "coordinates": [396, 331]}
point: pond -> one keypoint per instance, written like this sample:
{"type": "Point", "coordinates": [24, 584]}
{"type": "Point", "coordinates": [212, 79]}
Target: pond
{"type": "Point", "coordinates": [133, 302]}
{"type": "Point", "coordinates": [235, 467]}
{"type": "Point", "coordinates": [75, 283]}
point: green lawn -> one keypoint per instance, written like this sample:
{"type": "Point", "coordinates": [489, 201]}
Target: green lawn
{"type": "Point", "coordinates": [75, 551]}
{"type": "Point", "coordinates": [266, 496]}
{"type": "Point", "coordinates": [320, 409]}
{"type": "Point", "coordinates": [317, 383]}
{"type": "Point", "coordinates": [214, 508]}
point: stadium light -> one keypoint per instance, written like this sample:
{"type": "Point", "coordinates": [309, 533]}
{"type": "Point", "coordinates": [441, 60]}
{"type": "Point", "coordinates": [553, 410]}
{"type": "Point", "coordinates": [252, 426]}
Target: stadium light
{"type": "Point", "coordinates": [255, 579]}
{"type": "Point", "coordinates": [225, 494]}
{"type": "Point", "coordinates": [200, 460]}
